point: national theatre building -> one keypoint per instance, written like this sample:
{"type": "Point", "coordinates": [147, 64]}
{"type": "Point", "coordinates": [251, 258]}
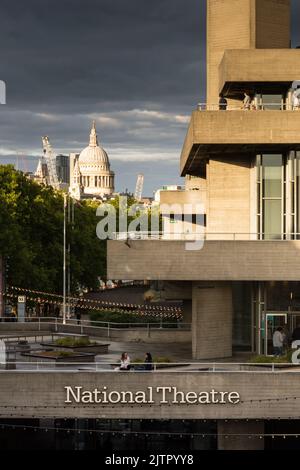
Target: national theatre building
{"type": "Point", "coordinates": [241, 160]}
{"type": "Point", "coordinates": [241, 163]}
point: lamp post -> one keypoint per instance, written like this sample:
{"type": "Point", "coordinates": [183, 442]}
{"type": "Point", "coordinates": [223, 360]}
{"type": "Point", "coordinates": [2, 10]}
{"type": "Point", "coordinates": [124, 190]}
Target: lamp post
{"type": "Point", "coordinates": [64, 260]}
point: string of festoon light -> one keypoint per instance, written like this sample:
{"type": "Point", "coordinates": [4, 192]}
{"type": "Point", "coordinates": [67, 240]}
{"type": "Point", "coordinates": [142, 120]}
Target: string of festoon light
{"type": "Point", "coordinates": [146, 434]}
{"type": "Point", "coordinates": [89, 304]}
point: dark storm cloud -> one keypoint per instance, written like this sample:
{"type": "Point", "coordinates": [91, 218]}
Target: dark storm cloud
{"type": "Point", "coordinates": [100, 51]}
{"type": "Point", "coordinates": [136, 66]}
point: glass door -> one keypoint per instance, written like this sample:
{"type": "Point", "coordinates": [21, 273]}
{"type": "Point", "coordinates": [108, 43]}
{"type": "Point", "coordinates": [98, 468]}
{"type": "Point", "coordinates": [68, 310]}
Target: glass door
{"type": "Point", "coordinates": [274, 321]}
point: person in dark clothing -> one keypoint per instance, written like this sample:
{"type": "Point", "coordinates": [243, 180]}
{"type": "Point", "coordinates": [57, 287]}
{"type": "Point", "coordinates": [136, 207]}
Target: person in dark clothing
{"type": "Point", "coordinates": [148, 362]}
{"type": "Point", "coordinates": [296, 333]}
{"type": "Point", "coordinates": [222, 103]}
{"type": "Point", "coordinates": [57, 311]}
{"type": "Point", "coordinates": [78, 311]}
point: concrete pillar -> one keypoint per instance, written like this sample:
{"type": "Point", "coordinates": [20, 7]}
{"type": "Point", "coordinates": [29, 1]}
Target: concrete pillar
{"type": "Point", "coordinates": [240, 439]}
{"type": "Point", "coordinates": [211, 320]}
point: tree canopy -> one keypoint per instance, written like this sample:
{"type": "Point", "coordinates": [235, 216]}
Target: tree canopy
{"type": "Point", "coordinates": [31, 236]}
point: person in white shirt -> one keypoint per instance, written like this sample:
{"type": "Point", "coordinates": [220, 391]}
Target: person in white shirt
{"type": "Point", "coordinates": [247, 102]}
{"type": "Point", "coordinates": [296, 99]}
{"type": "Point", "coordinates": [278, 340]}
{"type": "Point", "coordinates": [125, 362]}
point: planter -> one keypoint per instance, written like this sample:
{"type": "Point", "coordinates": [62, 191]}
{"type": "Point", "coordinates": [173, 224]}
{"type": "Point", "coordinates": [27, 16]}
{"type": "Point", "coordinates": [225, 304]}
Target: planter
{"type": "Point", "coordinates": [50, 356]}
{"type": "Point", "coordinates": [267, 367]}
{"type": "Point", "coordinates": [99, 348]}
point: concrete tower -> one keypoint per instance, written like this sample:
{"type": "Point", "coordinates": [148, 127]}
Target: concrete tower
{"type": "Point", "coordinates": [243, 24]}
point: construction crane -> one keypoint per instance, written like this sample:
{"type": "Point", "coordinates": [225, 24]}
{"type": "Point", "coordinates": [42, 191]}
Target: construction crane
{"type": "Point", "coordinates": [139, 188]}
{"type": "Point", "coordinates": [50, 159]}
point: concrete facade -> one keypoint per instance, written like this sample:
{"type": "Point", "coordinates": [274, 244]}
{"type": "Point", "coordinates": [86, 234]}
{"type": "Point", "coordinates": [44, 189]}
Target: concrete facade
{"type": "Point", "coordinates": [42, 395]}
{"type": "Point", "coordinates": [212, 320]}
{"type": "Point", "coordinates": [243, 24]}
{"type": "Point", "coordinates": [212, 132]}
{"type": "Point", "coordinates": [230, 162]}
{"type": "Point", "coordinates": [218, 260]}
{"type": "Point", "coordinates": [243, 66]}
{"type": "Point", "coordinates": [228, 195]}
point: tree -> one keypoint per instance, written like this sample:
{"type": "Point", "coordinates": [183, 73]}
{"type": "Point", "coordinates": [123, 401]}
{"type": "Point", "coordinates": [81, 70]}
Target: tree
{"type": "Point", "coordinates": [31, 236]}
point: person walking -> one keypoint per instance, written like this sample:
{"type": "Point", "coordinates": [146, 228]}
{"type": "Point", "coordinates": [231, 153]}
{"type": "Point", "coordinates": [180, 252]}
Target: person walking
{"type": "Point", "coordinates": [278, 340]}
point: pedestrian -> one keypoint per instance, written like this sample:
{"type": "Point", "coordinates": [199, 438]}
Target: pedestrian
{"type": "Point", "coordinates": [148, 362]}
{"type": "Point", "coordinates": [125, 362]}
{"type": "Point", "coordinates": [278, 340]}
{"type": "Point", "coordinates": [222, 102]}
{"type": "Point", "coordinates": [57, 311]}
{"type": "Point", "coordinates": [296, 99]}
{"type": "Point", "coordinates": [78, 312]}
{"type": "Point", "coordinates": [247, 102]}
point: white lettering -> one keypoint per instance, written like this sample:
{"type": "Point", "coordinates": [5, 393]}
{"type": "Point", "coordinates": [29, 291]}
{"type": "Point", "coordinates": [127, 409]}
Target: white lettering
{"type": "Point", "coordinates": [165, 396]}
{"type": "Point", "coordinates": [76, 397]}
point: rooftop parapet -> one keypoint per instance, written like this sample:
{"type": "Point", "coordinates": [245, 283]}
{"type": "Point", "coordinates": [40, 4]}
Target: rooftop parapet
{"type": "Point", "coordinates": [221, 132]}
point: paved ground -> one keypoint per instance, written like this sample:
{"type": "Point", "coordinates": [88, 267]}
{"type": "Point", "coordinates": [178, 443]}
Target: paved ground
{"type": "Point", "coordinates": [176, 352]}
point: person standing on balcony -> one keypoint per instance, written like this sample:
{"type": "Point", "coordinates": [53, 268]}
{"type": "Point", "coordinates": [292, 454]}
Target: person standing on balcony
{"type": "Point", "coordinates": [278, 340]}
{"type": "Point", "coordinates": [222, 102]}
{"type": "Point", "coordinates": [296, 99]}
{"type": "Point", "coordinates": [247, 102]}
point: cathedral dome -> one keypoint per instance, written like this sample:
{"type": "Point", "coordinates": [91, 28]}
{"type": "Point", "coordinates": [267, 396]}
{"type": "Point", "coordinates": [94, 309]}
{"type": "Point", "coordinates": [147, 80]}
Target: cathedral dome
{"type": "Point", "coordinates": [90, 171]}
{"type": "Point", "coordinates": [93, 154]}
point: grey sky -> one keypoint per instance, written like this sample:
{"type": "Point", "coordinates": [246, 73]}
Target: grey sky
{"type": "Point", "coordinates": [136, 66]}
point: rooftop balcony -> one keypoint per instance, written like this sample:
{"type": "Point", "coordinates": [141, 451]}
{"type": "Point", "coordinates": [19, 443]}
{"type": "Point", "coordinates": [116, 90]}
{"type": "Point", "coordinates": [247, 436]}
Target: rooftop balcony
{"type": "Point", "coordinates": [209, 257]}
{"type": "Point", "coordinates": [268, 70]}
{"type": "Point", "coordinates": [212, 131]}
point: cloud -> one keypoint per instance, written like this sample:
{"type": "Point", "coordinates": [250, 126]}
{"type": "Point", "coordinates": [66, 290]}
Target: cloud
{"type": "Point", "coordinates": [137, 67]}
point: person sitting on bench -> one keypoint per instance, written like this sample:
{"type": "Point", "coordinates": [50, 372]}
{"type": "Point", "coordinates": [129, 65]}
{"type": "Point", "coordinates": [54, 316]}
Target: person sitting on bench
{"type": "Point", "coordinates": [125, 362]}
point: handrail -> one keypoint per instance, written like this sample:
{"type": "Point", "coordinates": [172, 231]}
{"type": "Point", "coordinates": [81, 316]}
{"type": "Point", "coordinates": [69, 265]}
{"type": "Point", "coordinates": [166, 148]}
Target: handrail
{"type": "Point", "coordinates": [178, 324]}
{"type": "Point", "coordinates": [217, 236]}
{"type": "Point", "coordinates": [259, 107]}
{"type": "Point", "coordinates": [169, 367]}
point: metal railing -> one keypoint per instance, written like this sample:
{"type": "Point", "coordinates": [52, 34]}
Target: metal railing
{"type": "Point", "coordinates": [48, 365]}
{"type": "Point", "coordinates": [97, 325]}
{"type": "Point", "coordinates": [241, 107]}
{"type": "Point", "coordinates": [221, 236]}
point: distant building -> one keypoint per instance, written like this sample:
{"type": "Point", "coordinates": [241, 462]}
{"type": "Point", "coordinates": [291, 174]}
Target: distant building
{"type": "Point", "coordinates": [63, 168]}
{"type": "Point", "coordinates": [41, 173]}
{"type": "Point", "coordinates": [172, 187]}
{"type": "Point", "coordinates": [90, 174]}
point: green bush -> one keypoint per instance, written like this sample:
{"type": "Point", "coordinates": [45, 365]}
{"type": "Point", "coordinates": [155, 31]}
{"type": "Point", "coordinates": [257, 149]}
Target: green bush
{"type": "Point", "coordinates": [287, 358]}
{"type": "Point", "coordinates": [73, 342]}
{"type": "Point", "coordinates": [121, 317]}
{"type": "Point", "coordinates": [55, 354]}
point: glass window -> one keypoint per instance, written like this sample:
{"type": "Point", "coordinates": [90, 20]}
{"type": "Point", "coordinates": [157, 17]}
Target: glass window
{"type": "Point", "coordinates": [272, 175]}
{"type": "Point", "coordinates": [272, 218]}
{"type": "Point", "coordinates": [273, 102]}
{"type": "Point", "coordinates": [269, 196]}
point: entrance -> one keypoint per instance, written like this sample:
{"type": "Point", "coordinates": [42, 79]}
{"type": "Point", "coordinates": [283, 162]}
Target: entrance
{"type": "Point", "coordinates": [294, 321]}
{"type": "Point", "coordinates": [274, 321]}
